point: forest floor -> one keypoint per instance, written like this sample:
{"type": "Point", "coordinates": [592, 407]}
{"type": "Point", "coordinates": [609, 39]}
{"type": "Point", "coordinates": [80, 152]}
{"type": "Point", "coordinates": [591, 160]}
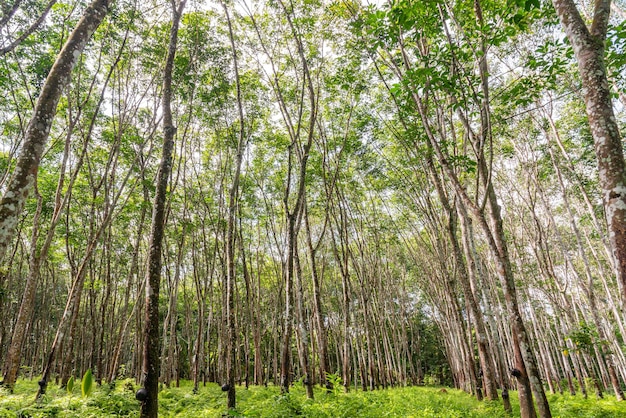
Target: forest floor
{"type": "Point", "coordinates": [267, 402]}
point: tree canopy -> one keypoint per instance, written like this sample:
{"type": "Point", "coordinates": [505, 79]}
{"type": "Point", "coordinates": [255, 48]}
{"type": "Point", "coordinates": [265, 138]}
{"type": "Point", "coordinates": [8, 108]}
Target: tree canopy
{"type": "Point", "coordinates": [361, 194]}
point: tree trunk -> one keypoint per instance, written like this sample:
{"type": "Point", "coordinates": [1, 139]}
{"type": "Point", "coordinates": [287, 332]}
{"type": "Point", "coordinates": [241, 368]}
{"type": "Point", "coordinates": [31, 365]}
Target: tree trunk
{"type": "Point", "coordinates": [28, 299]}
{"type": "Point", "coordinates": [293, 215]}
{"type": "Point", "coordinates": [322, 339]}
{"type": "Point", "coordinates": [25, 173]}
{"type": "Point", "coordinates": [302, 329]}
{"type": "Point", "coordinates": [588, 45]}
{"type": "Point", "coordinates": [151, 349]}
{"type": "Point", "coordinates": [230, 234]}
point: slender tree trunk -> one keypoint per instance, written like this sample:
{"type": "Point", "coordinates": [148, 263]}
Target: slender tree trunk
{"type": "Point", "coordinates": [32, 28]}
{"type": "Point", "coordinates": [285, 353]}
{"type": "Point", "coordinates": [230, 234]}
{"type": "Point", "coordinates": [37, 255]}
{"type": "Point", "coordinates": [151, 362]}
{"type": "Point", "coordinates": [322, 339]}
{"type": "Point", "coordinates": [25, 173]}
{"type": "Point", "coordinates": [198, 349]}
{"type": "Point", "coordinates": [258, 353]}
{"type": "Point", "coordinates": [293, 215]}
{"type": "Point", "coordinates": [302, 328]}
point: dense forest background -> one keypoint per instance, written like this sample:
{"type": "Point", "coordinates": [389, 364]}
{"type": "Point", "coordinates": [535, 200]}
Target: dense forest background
{"type": "Point", "coordinates": [376, 195]}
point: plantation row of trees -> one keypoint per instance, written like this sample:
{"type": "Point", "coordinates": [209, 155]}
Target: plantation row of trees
{"type": "Point", "coordinates": [316, 193]}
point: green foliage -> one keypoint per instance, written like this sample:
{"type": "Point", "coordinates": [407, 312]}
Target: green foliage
{"type": "Point", "coordinates": [577, 406]}
{"type": "Point", "coordinates": [335, 381]}
{"type": "Point", "coordinates": [585, 337]}
{"type": "Point", "coordinates": [268, 402]}
{"type": "Point", "coordinates": [70, 385]}
{"type": "Point", "coordinates": [87, 384]}
{"type": "Point", "coordinates": [616, 55]}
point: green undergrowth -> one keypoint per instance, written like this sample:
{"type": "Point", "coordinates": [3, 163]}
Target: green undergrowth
{"type": "Point", "coordinates": [267, 402]}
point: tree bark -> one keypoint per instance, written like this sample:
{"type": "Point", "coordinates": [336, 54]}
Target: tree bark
{"type": "Point", "coordinates": [28, 299]}
{"type": "Point", "coordinates": [230, 233]}
{"type": "Point", "coordinates": [588, 45]}
{"type": "Point", "coordinates": [25, 173]}
{"type": "Point", "coordinates": [151, 349]}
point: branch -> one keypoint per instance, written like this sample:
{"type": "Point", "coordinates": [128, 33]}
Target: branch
{"type": "Point", "coordinates": [601, 13]}
{"type": "Point", "coordinates": [7, 13]}
{"type": "Point", "coordinates": [28, 31]}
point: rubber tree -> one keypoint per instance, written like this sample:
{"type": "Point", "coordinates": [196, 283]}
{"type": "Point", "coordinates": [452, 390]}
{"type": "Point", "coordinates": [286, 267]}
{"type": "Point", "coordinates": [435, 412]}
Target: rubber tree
{"type": "Point", "coordinates": [36, 257]}
{"type": "Point", "coordinates": [25, 172]}
{"type": "Point", "coordinates": [589, 48]}
{"type": "Point", "coordinates": [420, 76]}
{"type": "Point", "coordinates": [150, 373]}
{"type": "Point", "coordinates": [231, 233]}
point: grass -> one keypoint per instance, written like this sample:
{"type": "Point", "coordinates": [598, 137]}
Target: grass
{"type": "Point", "coordinates": [267, 402]}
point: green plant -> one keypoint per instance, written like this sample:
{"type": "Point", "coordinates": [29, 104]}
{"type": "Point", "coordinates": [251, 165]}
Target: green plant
{"type": "Point", "coordinates": [87, 383]}
{"type": "Point", "coordinates": [335, 382]}
{"type": "Point", "coordinates": [585, 338]}
{"type": "Point", "coordinates": [268, 402]}
{"type": "Point", "coordinates": [70, 386]}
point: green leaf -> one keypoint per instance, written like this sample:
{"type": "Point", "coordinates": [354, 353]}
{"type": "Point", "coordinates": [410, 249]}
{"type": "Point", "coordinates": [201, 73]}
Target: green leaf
{"type": "Point", "coordinates": [87, 384]}
{"type": "Point", "coordinates": [70, 385]}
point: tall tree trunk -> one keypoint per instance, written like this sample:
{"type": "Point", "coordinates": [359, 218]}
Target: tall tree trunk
{"type": "Point", "coordinates": [37, 255]}
{"type": "Point", "coordinates": [322, 339]}
{"type": "Point", "coordinates": [293, 214]}
{"type": "Point", "coordinates": [25, 173]}
{"type": "Point", "coordinates": [302, 329]}
{"type": "Point", "coordinates": [588, 45]}
{"type": "Point", "coordinates": [285, 352]}
{"type": "Point", "coordinates": [230, 233]}
{"type": "Point", "coordinates": [151, 349]}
